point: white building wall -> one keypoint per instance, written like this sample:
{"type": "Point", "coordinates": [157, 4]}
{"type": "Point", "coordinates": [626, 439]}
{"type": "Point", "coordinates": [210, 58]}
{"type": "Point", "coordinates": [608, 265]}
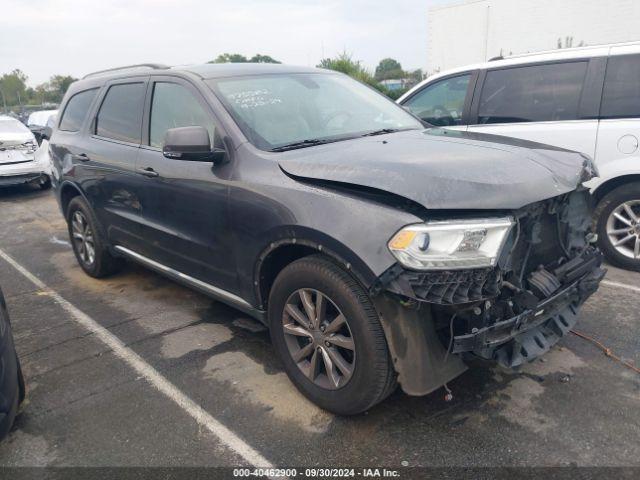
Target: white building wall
{"type": "Point", "coordinates": [476, 30]}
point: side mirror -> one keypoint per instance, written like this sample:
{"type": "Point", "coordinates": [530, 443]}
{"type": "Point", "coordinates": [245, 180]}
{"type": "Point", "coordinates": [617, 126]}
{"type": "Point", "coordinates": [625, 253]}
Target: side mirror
{"type": "Point", "coordinates": [46, 133]}
{"type": "Point", "coordinates": [191, 144]}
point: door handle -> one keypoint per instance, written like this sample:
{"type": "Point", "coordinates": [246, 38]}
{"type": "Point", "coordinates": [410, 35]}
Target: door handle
{"type": "Point", "coordinates": [148, 172]}
{"type": "Point", "coordinates": [80, 157]}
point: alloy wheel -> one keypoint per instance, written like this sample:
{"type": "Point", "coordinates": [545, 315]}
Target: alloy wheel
{"type": "Point", "coordinates": [319, 339]}
{"type": "Point", "coordinates": [83, 238]}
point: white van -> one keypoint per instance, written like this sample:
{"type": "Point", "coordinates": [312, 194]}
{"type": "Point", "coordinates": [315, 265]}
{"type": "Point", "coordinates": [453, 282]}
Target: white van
{"type": "Point", "coordinates": [585, 99]}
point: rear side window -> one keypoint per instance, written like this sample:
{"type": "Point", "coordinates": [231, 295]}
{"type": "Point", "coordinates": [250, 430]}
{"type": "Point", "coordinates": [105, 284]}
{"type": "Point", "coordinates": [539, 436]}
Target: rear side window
{"type": "Point", "coordinates": [441, 103]}
{"type": "Point", "coordinates": [174, 106]}
{"type": "Point", "coordinates": [621, 94]}
{"type": "Point", "coordinates": [535, 93]}
{"type": "Point", "coordinates": [76, 110]}
{"type": "Point", "coordinates": [120, 115]}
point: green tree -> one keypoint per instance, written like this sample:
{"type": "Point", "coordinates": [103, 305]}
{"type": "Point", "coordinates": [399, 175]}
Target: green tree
{"type": "Point", "coordinates": [239, 58]}
{"type": "Point", "coordinates": [58, 84]}
{"type": "Point", "coordinates": [345, 64]}
{"type": "Point", "coordinates": [257, 58]}
{"type": "Point", "coordinates": [389, 68]}
{"type": "Point", "coordinates": [13, 87]}
{"type": "Point", "coordinates": [230, 58]}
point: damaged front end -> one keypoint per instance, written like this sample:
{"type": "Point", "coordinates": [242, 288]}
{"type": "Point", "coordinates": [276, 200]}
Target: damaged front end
{"type": "Point", "coordinates": [511, 312]}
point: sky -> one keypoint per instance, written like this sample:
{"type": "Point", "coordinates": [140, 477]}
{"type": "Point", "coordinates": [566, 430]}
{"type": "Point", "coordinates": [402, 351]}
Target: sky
{"type": "Point", "coordinates": [75, 37]}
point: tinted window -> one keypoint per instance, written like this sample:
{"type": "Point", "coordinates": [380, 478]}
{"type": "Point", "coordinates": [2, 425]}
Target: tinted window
{"type": "Point", "coordinates": [174, 106]}
{"type": "Point", "coordinates": [441, 103]}
{"type": "Point", "coordinates": [120, 116]}
{"type": "Point", "coordinates": [621, 95]}
{"type": "Point", "coordinates": [76, 109]}
{"type": "Point", "coordinates": [536, 93]}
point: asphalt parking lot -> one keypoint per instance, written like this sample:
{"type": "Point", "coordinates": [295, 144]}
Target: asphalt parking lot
{"type": "Point", "coordinates": [88, 404]}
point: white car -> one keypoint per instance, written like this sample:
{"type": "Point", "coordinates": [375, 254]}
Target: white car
{"type": "Point", "coordinates": [40, 118]}
{"type": "Point", "coordinates": [584, 99]}
{"type": "Point", "coordinates": [19, 162]}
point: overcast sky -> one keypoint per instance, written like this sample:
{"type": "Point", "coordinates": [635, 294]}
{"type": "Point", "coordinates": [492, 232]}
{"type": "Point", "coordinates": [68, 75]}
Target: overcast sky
{"type": "Point", "coordinates": [46, 37]}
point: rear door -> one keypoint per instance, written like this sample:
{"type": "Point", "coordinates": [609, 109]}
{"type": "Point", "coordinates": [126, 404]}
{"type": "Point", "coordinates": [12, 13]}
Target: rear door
{"type": "Point", "coordinates": [619, 133]}
{"type": "Point", "coordinates": [110, 181]}
{"type": "Point", "coordinates": [554, 103]}
{"type": "Point", "coordinates": [444, 102]}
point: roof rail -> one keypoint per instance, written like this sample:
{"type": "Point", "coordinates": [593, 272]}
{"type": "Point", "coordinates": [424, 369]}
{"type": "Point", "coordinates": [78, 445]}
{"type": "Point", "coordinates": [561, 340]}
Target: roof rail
{"type": "Point", "coordinates": [493, 59]}
{"type": "Point", "coordinates": [584, 48]}
{"type": "Point", "coordinates": [153, 66]}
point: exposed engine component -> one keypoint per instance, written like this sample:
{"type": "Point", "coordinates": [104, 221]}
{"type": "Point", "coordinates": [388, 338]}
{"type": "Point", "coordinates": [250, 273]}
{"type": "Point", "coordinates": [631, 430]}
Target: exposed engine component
{"type": "Point", "coordinates": [516, 311]}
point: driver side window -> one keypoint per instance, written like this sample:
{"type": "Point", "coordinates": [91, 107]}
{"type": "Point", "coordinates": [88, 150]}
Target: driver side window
{"type": "Point", "coordinates": [174, 106]}
{"type": "Point", "coordinates": [441, 103]}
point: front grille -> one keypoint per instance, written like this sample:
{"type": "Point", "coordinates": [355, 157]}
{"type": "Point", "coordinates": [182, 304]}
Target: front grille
{"type": "Point", "coordinates": [454, 286]}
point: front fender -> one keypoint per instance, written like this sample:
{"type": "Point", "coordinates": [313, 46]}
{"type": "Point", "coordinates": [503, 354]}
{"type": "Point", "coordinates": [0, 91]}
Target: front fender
{"type": "Point", "coordinates": [418, 355]}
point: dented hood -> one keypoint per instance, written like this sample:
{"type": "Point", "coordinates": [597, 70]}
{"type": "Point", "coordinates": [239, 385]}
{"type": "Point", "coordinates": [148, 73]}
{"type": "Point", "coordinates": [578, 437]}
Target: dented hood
{"type": "Point", "coordinates": [446, 169]}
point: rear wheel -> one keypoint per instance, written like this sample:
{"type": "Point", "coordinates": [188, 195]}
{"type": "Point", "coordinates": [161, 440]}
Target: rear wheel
{"type": "Point", "coordinates": [89, 247]}
{"type": "Point", "coordinates": [618, 226]}
{"type": "Point", "coordinates": [328, 335]}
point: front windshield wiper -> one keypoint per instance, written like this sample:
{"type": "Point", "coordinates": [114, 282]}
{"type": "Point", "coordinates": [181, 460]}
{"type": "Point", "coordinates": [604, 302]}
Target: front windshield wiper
{"type": "Point", "coordinates": [382, 131]}
{"type": "Point", "coordinates": [301, 144]}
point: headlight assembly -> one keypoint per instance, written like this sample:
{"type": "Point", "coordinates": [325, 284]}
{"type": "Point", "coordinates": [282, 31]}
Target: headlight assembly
{"type": "Point", "coordinates": [451, 244]}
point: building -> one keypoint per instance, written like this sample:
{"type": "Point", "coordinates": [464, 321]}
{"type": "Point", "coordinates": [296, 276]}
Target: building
{"type": "Point", "coordinates": [477, 30]}
{"type": "Point", "coordinates": [394, 84]}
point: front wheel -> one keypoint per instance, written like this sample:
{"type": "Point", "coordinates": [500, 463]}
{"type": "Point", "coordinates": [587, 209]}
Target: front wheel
{"type": "Point", "coordinates": [328, 335]}
{"type": "Point", "coordinates": [618, 226]}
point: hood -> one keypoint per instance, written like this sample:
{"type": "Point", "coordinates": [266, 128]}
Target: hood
{"type": "Point", "coordinates": [12, 133]}
{"type": "Point", "coordinates": [446, 169]}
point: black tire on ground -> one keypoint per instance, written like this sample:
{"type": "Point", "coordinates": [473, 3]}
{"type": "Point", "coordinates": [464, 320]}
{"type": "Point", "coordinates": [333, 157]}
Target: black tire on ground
{"type": "Point", "coordinates": [373, 377]}
{"type": "Point", "coordinates": [22, 389]}
{"type": "Point", "coordinates": [45, 184]}
{"type": "Point", "coordinates": [605, 207]}
{"type": "Point", "coordinates": [103, 263]}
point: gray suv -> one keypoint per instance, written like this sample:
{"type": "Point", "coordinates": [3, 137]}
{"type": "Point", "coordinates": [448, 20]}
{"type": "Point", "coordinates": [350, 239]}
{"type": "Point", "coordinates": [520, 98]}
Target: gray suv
{"type": "Point", "coordinates": [377, 250]}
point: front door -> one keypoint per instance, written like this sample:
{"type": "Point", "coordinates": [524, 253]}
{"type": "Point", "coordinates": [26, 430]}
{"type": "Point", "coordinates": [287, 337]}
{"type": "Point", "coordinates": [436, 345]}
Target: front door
{"type": "Point", "coordinates": [444, 102]}
{"type": "Point", "coordinates": [185, 221]}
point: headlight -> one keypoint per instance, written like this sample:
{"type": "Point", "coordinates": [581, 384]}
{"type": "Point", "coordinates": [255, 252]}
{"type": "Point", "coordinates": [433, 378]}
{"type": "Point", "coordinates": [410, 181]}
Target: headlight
{"type": "Point", "coordinates": [450, 245]}
{"type": "Point", "coordinates": [30, 146]}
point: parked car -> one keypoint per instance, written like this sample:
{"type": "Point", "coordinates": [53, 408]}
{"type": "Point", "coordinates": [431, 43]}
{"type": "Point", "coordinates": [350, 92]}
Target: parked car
{"type": "Point", "coordinates": [373, 249]}
{"type": "Point", "coordinates": [39, 121]}
{"type": "Point", "coordinates": [18, 160]}
{"type": "Point", "coordinates": [12, 390]}
{"type": "Point", "coordinates": [585, 99]}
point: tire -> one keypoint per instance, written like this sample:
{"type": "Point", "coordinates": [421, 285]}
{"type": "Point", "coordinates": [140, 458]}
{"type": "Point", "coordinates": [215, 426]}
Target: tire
{"type": "Point", "coordinates": [22, 389]}
{"type": "Point", "coordinates": [101, 263]}
{"type": "Point", "coordinates": [621, 255]}
{"type": "Point", "coordinates": [372, 376]}
{"type": "Point", "coordinates": [45, 183]}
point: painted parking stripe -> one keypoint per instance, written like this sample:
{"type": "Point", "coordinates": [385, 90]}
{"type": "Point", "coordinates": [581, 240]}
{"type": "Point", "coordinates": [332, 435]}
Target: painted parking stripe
{"type": "Point", "coordinates": [621, 285]}
{"type": "Point", "coordinates": [155, 378]}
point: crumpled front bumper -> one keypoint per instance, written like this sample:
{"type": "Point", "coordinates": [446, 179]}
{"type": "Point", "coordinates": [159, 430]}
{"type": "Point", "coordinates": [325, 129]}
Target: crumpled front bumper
{"type": "Point", "coordinates": [532, 333]}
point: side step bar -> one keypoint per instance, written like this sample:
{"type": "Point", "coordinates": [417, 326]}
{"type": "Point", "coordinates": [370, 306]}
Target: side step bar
{"type": "Point", "coordinates": [214, 292]}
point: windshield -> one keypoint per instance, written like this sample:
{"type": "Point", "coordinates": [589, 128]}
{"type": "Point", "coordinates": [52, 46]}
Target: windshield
{"type": "Point", "coordinates": [278, 110]}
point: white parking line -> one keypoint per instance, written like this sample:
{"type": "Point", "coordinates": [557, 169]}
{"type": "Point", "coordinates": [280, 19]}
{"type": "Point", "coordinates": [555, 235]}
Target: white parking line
{"type": "Point", "coordinates": [224, 435]}
{"type": "Point", "coordinates": [621, 285]}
